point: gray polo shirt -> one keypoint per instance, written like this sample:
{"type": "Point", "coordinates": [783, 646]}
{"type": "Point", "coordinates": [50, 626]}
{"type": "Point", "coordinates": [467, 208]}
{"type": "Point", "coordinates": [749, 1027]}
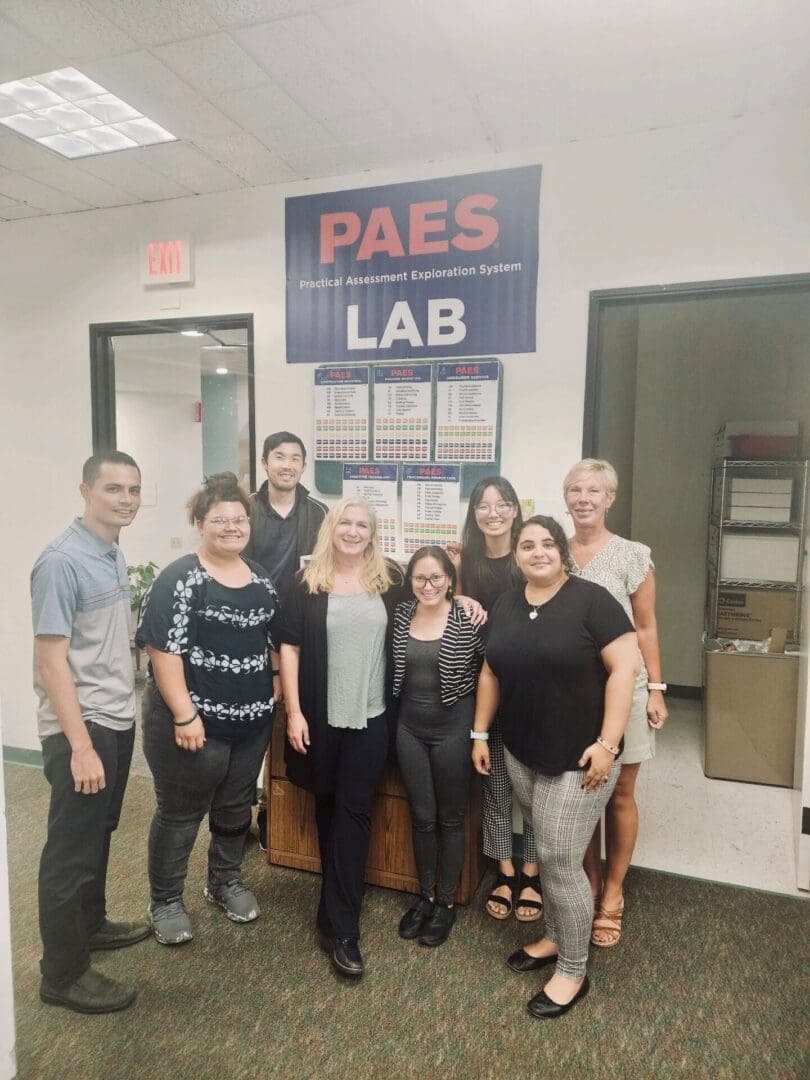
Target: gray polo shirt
{"type": "Point", "coordinates": [80, 590]}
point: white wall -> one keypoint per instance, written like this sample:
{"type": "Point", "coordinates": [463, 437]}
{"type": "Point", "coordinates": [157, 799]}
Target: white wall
{"type": "Point", "coordinates": [693, 203]}
{"type": "Point", "coordinates": [8, 1054]}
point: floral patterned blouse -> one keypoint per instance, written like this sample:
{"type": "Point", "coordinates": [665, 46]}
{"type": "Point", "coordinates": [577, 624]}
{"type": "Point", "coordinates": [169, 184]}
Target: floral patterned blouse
{"type": "Point", "coordinates": [620, 567]}
{"type": "Point", "coordinates": [224, 636]}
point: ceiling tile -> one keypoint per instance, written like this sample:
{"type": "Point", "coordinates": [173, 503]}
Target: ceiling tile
{"type": "Point", "coordinates": [6, 202]}
{"type": "Point", "coordinates": [314, 161]}
{"type": "Point", "coordinates": [301, 55]}
{"type": "Point", "coordinates": [14, 213]}
{"type": "Point", "coordinates": [212, 65]}
{"type": "Point", "coordinates": [244, 12]}
{"type": "Point", "coordinates": [129, 168]}
{"type": "Point", "coordinates": [192, 168]}
{"type": "Point", "coordinates": [262, 106]}
{"type": "Point", "coordinates": [23, 189]}
{"type": "Point", "coordinates": [282, 139]}
{"type": "Point", "coordinates": [381, 39]}
{"type": "Point", "coordinates": [191, 117]}
{"type": "Point", "coordinates": [23, 55]}
{"type": "Point", "coordinates": [71, 178]}
{"type": "Point", "coordinates": [155, 22]}
{"type": "Point", "coordinates": [249, 158]}
{"type": "Point", "coordinates": [17, 153]}
{"type": "Point", "coordinates": [72, 26]}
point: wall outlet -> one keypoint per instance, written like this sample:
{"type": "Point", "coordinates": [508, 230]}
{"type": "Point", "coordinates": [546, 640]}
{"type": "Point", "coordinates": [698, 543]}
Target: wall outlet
{"type": "Point", "coordinates": [175, 541]}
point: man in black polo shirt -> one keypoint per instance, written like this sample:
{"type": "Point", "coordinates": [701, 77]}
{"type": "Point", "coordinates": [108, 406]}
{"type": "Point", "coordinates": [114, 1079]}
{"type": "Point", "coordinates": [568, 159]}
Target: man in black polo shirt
{"type": "Point", "coordinates": [284, 524]}
{"type": "Point", "coordinates": [284, 518]}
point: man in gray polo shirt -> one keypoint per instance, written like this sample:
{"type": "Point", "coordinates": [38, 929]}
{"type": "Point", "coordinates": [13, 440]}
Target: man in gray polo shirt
{"type": "Point", "coordinates": [84, 681]}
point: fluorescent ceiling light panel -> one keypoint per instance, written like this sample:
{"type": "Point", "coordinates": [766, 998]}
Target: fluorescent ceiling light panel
{"type": "Point", "coordinates": [71, 114]}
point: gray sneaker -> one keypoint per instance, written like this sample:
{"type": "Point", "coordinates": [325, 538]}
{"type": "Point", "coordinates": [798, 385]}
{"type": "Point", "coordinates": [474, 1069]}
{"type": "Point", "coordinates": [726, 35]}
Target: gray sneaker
{"type": "Point", "coordinates": [235, 899]}
{"type": "Point", "coordinates": [170, 922]}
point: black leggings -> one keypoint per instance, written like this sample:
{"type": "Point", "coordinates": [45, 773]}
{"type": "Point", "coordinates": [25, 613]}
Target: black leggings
{"type": "Point", "coordinates": [433, 747]}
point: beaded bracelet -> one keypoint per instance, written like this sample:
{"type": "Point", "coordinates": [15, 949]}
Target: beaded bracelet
{"type": "Point", "coordinates": [185, 723]}
{"type": "Point", "coordinates": [606, 746]}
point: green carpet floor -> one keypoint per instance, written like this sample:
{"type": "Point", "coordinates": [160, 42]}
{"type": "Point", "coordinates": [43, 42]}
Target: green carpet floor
{"type": "Point", "coordinates": [709, 981]}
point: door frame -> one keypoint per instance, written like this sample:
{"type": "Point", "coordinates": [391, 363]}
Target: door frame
{"type": "Point", "coordinates": [692, 290]}
{"type": "Point", "coordinates": [102, 370]}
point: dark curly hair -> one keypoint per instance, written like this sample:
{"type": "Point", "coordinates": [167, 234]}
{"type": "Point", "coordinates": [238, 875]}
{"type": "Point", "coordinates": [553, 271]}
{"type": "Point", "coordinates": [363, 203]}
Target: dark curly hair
{"type": "Point", "coordinates": [221, 487]}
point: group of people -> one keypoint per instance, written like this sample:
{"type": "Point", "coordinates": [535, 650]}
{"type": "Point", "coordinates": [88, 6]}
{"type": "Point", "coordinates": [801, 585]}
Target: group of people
{"type": "Point", "coordinates": [531, 659]}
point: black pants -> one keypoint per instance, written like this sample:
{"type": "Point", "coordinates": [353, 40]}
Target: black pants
{"type": "Point", "coordinates": [343, 816]}
{"type": "Point", "coordinates": [73, 867]}
{"type": "Point", "coordinates": [219, 780]}
{"type": "Point", "coordinates": [433, 747]}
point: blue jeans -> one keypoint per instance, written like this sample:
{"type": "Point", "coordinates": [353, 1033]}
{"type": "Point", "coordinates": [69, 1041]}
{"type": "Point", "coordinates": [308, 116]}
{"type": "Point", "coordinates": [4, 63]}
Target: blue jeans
{"type": "Point", "coordinates": [73, 867]}
{"type": "Point", "coordinates": [219, 780]}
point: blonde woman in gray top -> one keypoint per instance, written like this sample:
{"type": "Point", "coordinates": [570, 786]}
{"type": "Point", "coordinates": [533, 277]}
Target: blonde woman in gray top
{"type": "Point", "coordinates": [626, 570]}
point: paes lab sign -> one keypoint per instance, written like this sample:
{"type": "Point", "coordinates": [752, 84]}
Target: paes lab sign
{"type": "Point", "coordinates": [443, 267]}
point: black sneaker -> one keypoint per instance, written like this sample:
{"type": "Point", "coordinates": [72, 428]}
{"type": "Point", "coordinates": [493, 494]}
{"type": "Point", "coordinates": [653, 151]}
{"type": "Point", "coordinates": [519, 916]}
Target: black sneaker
{"type": "Point", "coordinates": [119, 935]}
{"type": "Point", "coordinates": [412, 922]}
{"type": "Point", "coordinates": [346, 958]}
{"type": "Point", "coordinates": [437, 928]}
{"type": "Point", "coordinates": [92, 992]}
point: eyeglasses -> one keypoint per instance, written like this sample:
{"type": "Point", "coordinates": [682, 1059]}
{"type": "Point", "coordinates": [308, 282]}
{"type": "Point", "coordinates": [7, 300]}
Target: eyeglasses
{"type": "Point", "coordinates": [501, 508]}
{"type": "Point", "coordinates": [436, 580]}
{"type": "Point", "coordinates": [240, 520]}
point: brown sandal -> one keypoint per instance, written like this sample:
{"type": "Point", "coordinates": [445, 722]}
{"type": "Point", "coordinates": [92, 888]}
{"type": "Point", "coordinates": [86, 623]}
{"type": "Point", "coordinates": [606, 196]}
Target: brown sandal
{"type": "Point", "coordinates": [608, 923]}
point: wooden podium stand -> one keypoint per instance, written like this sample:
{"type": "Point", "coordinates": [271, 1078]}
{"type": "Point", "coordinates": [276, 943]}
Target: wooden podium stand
{"type": "Point", "coordinates": [292, 839]}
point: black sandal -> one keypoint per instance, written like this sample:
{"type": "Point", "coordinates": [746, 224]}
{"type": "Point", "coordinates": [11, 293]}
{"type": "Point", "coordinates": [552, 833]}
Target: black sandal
{"type": "Point", "coordinates": [501, 879]}
{"type": "Point", "coordinates": [528, 881]}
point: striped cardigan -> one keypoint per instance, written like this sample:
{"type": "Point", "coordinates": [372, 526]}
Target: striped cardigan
{"type": "Point", "coordinates": [461, 652]}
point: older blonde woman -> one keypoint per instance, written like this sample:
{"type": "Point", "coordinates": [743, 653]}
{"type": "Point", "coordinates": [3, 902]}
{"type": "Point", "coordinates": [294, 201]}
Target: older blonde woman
{"type": "Point", "coordinates": [334, 636]}
{"type": "Point", "coordinates": [626, 570]}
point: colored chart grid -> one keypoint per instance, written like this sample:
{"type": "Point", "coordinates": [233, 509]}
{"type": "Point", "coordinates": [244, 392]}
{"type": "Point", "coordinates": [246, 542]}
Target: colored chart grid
{"type": "Point", "coordinates": [416, 534]}
{"type": "Point", "coordinates": [465, 442]}
{"type": "Point", "coordinates": [401, 440]}
{"type": "Point", "coordinates": [341, 440]}
{"type": "Point", "coordinates": [387, 532]}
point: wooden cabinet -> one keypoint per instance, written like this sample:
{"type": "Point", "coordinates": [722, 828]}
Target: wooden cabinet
{"type": "Point", "coordinates": [293, 839]}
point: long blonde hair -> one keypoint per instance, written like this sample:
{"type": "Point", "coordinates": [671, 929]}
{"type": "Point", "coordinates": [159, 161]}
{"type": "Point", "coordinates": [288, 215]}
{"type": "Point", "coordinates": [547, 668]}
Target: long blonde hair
{"type": "Point", "coordinates": [319, 574]}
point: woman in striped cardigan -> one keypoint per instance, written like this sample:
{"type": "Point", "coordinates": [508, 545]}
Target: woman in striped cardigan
{"type": "Point", "coordinates": [437, 654]}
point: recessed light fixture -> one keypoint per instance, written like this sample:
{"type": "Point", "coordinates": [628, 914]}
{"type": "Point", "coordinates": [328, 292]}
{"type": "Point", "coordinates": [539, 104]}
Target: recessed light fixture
{"type": "Point", "coordinates": [222, 371]}
{"type": "Point", "coordinates": [71, 114]}
{"type": "Point", "coordinates": [193, 333]}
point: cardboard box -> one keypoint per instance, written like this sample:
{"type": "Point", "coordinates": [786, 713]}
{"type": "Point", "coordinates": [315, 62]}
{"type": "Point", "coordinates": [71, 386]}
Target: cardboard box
{"type": "Point", "coordinates": [778, 514]}
{"type": "Point", "coordinates": [750, 712]}
{"type": "Point", "coordinates": [753, 613]}
{"type": "Point", "coordinates": [723, 446]}
{"type": "Point", "coordinates": [754, 557]}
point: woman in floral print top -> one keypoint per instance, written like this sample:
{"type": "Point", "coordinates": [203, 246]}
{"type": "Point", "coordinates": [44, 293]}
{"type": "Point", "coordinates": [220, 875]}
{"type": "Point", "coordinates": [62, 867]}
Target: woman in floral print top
{"type": "Point", "coordinates": [207, 624]}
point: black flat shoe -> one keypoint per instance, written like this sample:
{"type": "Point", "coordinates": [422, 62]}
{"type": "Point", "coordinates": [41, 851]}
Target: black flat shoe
{"type": "Point", "coordinates": [522, 961]}
{"type": "Point", "coordinates": [437, 928]}
{"type": "Point", "coordinates": [346, 958]}
{"type": "Point", "coordinates": [543, 1008]}
{"type": "Point", "coordinates": [414, 919]}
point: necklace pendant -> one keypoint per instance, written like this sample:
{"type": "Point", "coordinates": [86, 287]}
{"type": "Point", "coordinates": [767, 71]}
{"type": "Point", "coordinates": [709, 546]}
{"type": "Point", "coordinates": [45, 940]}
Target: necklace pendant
{"type": "Point", "coordinates": [533, 613]}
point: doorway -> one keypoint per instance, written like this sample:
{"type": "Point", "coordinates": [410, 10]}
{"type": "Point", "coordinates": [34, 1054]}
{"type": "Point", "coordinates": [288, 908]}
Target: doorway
{"type": "Point", "coordinates": [667, 366]}
{"type": "Point", "coordinates": [177, 394]}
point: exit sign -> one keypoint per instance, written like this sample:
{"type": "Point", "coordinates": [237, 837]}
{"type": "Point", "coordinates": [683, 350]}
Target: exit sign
{"type": "Point", "coordinates": [165, 262]}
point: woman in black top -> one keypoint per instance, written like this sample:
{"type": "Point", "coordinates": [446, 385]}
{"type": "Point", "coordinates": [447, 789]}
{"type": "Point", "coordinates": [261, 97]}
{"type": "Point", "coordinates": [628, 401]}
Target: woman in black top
{"type": "Point", "coordinates": [562, 658]}
{"type": "Point", "coordinates": [207, 625]}
{"type": "Point", "coordinates": [488, 569]}
{"type": "Point", "coordinates": [437, 653]}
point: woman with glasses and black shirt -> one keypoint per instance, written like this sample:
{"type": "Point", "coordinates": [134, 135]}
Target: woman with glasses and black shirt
{"type": "Point", "coordinates": [487, 569]}
{"type": "Point", "coordinates": [437, 653]}
{"type": "Point", "coordinates": [207, 624]}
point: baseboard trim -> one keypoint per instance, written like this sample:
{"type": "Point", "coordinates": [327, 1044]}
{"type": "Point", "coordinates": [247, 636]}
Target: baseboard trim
{"type": "Point", "coordinates": [18, 755]}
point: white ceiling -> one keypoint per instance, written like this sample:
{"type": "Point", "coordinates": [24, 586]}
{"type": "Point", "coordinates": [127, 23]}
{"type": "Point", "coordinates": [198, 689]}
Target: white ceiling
{"type": "Point", "coordinates": [269, 91]}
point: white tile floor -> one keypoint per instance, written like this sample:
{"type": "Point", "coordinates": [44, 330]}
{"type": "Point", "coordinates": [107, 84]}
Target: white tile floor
{"type": "Point", "coordinates": [719, 830]}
